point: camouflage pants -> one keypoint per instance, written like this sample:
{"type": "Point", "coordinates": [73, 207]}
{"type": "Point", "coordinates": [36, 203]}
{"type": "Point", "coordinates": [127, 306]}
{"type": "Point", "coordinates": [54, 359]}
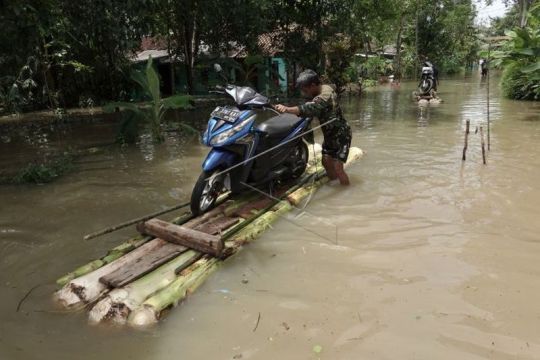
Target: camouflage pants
{"type": "Point", "coordinates": [337, 142]}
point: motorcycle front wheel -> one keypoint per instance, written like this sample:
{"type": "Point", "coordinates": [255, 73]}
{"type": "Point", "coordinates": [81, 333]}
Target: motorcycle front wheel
{"type": "Point", "coordinates": [300, 158]}
{"type": "Point", "coordinates": [206, 192]}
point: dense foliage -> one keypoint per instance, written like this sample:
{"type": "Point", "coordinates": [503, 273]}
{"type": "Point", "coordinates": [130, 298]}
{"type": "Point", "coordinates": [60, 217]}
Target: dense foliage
{"type": "Point", "coordinates": [153, 111]}
{"type": "Point", "coordinates": [520, 58]}
{"type": "Point", "coordinates": [77, 49]}
{"type": "Point", "coordinates": [60, 53]}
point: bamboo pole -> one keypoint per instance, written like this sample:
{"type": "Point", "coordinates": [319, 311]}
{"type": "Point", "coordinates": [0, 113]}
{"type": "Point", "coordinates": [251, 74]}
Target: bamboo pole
{"type": "Point", "coordinates": [125, 224]}
{"type": "Point", "coordinates": [88, 288]}
{"type": "Point", "coordinates": [118, 303]}
{"type": "Point", "coordinates": [242, 224]}
{"type": "Point", "coordinates": [488, 119]}
{"type": "Point", "coordinates": [149, 312]}
{"type": "Point", "coordinates": [483, 145]}
{"type": "Point", "coordinates": [466, 141]}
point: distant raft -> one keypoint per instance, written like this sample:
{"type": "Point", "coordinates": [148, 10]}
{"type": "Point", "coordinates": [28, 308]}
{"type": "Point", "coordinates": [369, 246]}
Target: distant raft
{"type": "Point", "coordinates": [136, 281]}
{"type": "Point", "coordinates": [425, 100]}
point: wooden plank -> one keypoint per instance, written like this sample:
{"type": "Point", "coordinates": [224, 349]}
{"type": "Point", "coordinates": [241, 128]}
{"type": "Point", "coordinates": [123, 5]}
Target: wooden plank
{"type": "Point", "coordinates": [181, 235]}
{"type": "Point", "coordinates": [165, 251]}
{"type": "Point", "coordinates": [212, 223]}
{"type": "Point", "coordinates": [247, 210]}
{"type": "Point", "coordinates": [142, 265]}
{"type": "Point", "coordinates": [216, 212]}
{"type": "Point", "coordinates": [218, 225]}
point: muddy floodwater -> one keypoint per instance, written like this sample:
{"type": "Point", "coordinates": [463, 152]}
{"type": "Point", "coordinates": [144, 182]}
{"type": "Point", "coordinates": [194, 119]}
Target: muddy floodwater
{"type": "Point", "coordinates": [433, 259]}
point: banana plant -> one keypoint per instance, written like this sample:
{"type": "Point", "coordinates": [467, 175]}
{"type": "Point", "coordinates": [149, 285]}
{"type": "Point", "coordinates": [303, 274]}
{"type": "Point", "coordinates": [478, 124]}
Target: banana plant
{"type": "Point", "coordinates": [155, 109]}
{"type": "Point", "coordinates": [520, 57]}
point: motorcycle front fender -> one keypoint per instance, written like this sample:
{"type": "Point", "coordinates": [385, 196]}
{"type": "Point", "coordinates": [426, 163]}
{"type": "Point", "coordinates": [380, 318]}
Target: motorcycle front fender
{"type": "Point", "coordinates": [219, 159]}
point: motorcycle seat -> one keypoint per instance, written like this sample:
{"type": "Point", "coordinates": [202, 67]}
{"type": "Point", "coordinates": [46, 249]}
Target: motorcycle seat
{"type": "Point", "coordinates": [279, 126]}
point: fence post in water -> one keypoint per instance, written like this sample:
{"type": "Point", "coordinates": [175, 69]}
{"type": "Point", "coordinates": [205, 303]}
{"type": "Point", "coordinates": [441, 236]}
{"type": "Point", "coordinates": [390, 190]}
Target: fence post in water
{"type": "Point", "coordinates": [483, 145]}
{"type": "Point", "coordinates": [488, 122]}
{"type": "Point", "coordinates": [468, 123]}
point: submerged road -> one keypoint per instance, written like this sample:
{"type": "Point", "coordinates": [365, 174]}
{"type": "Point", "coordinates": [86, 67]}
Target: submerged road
{"type": "Point", "coordinates": [435, 258]}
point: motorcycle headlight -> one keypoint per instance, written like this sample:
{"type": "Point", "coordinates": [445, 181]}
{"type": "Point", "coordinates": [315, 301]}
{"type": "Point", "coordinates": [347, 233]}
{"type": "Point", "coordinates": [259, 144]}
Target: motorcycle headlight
{"type": "Point", "coordinates": [224, 136]}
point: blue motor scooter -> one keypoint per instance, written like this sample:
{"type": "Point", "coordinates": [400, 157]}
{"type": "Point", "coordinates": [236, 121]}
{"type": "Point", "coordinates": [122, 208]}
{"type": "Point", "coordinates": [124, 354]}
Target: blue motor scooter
{"type": "Point", "coordinates": [249, 129]}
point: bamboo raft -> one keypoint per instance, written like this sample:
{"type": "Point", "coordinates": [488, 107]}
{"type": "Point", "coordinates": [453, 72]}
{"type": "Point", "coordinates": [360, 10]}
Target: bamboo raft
{"type": "Point", "coordinates": [426, 99]}
{"type": "Point", "coordinates": [136, 281]}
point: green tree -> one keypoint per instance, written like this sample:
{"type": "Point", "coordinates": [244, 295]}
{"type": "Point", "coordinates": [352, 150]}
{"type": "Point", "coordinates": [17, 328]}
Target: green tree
{"type": "Point", "coordinates": [79, 47]}
{"type": "Point", "coordinates": [210, 25]}
{"type": "Point", "coordinates": [445, 33]}
{"type": "Point", "coordinates": [520, 57]}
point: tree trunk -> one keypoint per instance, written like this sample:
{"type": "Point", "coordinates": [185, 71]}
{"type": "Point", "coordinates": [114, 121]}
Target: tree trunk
{"type": "Point", "coordinates": [398, 49]}
{"type": "Point", "coordinates": [171, 57]}
{"type": "Point", "coordinates": [48, 77]}
{"type": "Point", "coordinates": [523, 9]}
{"type": "Point", "coordinates": [190, 51]}
{"type": "Point", "coordinates": [416, 47]}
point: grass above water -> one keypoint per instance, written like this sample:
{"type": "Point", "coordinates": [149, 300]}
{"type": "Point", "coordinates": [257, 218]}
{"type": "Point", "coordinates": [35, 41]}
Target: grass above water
{"type": "Point", "coordinates": [42, 172]}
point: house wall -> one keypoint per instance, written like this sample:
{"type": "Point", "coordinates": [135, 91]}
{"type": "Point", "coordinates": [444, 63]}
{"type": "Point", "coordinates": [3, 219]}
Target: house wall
{"type": "Point", "coordinates": [271, 79]}
{"type": "Point", "coordinates": [282, 70]}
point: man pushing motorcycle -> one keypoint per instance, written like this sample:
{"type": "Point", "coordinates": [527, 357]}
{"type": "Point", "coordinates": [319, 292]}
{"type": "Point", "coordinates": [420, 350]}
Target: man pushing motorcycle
{"type": "Point", "coordinates": [324, 106]}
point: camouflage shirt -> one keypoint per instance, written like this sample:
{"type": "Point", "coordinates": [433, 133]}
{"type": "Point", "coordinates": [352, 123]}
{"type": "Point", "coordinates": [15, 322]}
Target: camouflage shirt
{"type": "Point", "coordinates": [325, 108]}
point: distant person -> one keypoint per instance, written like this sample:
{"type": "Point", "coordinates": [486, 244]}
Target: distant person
{"type": "Point", "coordinates": [484, 67]}
{"type": "Point", "coordinates": [324, 106]}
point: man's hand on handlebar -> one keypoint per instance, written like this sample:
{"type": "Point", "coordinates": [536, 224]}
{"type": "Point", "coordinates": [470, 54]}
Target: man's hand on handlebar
{"type": "Point", "coordinates": [281, 108]}
{"type": "Point", "coordinates": [286, 109]}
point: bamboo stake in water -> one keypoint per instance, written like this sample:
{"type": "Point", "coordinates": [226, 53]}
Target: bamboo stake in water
{"type": "Point", "coordinates": [468, 123]}
{"type": "Point", "coordinates": [488, 120]}
{"type": "Point", "coordinates": [483, 145]}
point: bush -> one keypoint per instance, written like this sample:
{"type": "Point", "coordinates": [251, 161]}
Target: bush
{"type": "Point", "coordinates": [39, 173]}
{"type": "Point", "coordinates": [519, 85]}
{"type": "Point", "coordinates": [451, 65]}
{"type": "Point", "coordinates": [369, 83]}
{"type": "Point", "coordinates": [520, 56]}
{"type": "Point", "coordinates": [375, 67]}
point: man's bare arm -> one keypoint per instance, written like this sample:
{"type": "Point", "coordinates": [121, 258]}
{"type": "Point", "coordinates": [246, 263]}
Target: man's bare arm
{"type": "Point", "coordinates": [288, 109]}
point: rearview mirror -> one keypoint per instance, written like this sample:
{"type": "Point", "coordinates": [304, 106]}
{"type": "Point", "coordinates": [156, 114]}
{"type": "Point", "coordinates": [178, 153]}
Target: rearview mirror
{"type": "Point", "coordinates": [218, 68]}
